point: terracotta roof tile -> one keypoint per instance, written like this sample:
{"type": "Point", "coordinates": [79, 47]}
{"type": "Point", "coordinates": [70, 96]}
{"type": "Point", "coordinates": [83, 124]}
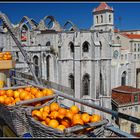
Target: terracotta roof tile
{"type": "Point", "coordinates": [132, 36]}
{"type": "Point", "coordinates": [103, 6]}
{"type": "Point", "coordinates": [120, 97]}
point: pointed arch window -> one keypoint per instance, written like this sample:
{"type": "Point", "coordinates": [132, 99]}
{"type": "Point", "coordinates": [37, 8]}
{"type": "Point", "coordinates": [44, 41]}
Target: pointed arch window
{"type": "Point", "coordinates": [48, 66]}
{"type": "Point", "coordinates": [109, 18]}
{"type": "Point", "coordinates": [71, 81]}
{"type": "Point", "coordinates": [86, 84]}
{"type": "Point", "coordinates": [85, 46]}
{"type": "Point", "coordinates": [97, 20]}
{"type": "Point", "coordinates": [101, 85]}
{"type": "Point", "coordinates": [101, 18]}
{"type": "Point", "coordinates": [71, 47]}
{"type": "Point", "coordinates": [123, 78]}
{"type": "Point", "coordinates": [48, 43]}
{"type": "Point", "coordinates": [36, 67]}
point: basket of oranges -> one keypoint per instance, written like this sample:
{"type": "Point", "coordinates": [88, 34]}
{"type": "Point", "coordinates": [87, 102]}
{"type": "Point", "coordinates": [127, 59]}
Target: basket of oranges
{"type": "Point", "coordinates": [58, 120]}
{"type": "Point", "coordinates": [14, 101]}
{"type": "Point", "coordinates": [6, 61]}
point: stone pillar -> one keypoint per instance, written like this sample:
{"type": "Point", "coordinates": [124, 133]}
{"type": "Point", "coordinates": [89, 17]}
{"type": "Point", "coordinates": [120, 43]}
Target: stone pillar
{"type": "Point", "coordinates": [77, 73]}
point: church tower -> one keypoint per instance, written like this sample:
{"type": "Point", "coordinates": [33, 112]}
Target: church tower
{"type": "Point", "coordinates": [103, 17]}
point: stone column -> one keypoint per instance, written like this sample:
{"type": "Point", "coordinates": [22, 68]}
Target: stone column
{"type": "Point", "coordinates": [77, 73]}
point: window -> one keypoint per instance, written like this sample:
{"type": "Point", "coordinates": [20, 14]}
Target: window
{"type": "Point", "coordinates": [123, 78]}
{"type": "Point", "coordinates": [121, 56]}
{"type": "Point", "coordinates": [48, 43]}
{"type": "Point", "coordinates": [135, 47]}
{"type": "Point", "coordinates": [48, 66]}
{"type": "Point", "coordinates": [71, 81]}
{"type": "Point", "coordinates": [109, 18]}
{"type": "Point", "coordinates": [136, 98]}
{"type": "Point", "coordinates": [125, 56]}
{"type": "Point", "coordinates": [101, 85]}
{"type": "Point", "coordinates": [97, 19]}
{"type": "Point", "coordinates": [136, 108]}
{"type": "Point", "coordinates": [17, 56]}
{"type": "Point", "coordinates": [36, 67]}
{"type": "Point", "coordinates": [86, 84]}
{"type": "Point", "coordinates": [85, 46]}
{"type": "Point", "coordinates": [39, 44]}
{"type": "Point", "coordinates": [101, 18]}
{"type": "Point", "coordinates": [133, 128]}
{"type": "Point", "coordinates": [71, 47]}
{"type": "Point", "coordinates": [134, 56]}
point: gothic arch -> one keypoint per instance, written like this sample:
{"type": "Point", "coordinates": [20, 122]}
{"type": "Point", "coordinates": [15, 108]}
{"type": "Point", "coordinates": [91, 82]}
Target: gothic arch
{"type": "Point", "coordinates": [71, 81]}
{"type": "Point", "coordinates": [71, 45]}
{"type": "Point", "coordinates": [85, 46]}
{"type": "Point", "coordinates": [86, 84]}
{"type": "Point", "coordinates": [48, 58]}
{"type": "Point", "coordinates": [72, 26]}
{"type": "Point", "coordinates": [101, 84]}
{"type": "Point", "coordinates": [36, 66]}
{"type": "Point", "coordinates": [123, 78]}
{"type": "Point", "coordinates": [28, 20]}
{"type": "Point", "coordinates": [48, 43]}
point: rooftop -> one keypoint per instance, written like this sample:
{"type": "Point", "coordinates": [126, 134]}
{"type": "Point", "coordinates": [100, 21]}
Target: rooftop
{"type": "Point", "coordinates": [122, 94]}
{"type": "Point", "coordinates": [103, 6]}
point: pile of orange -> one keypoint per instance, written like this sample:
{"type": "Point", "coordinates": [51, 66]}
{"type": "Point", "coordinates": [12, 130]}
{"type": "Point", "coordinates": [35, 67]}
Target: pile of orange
{"type": "Point", "coordinates": [10, 97]}
{"type": "Point", "coordinates": [5, 56]}
{"type": "Point", "coordinates": [60, 118]}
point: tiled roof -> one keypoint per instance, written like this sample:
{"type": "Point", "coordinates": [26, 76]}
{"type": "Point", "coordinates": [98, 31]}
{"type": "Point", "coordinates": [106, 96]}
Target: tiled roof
{"type": "Point", "coordinates": [120, 97]}
{"type": "Point", "coordinates": [132, 36]}
{"type": "Point", "coordinates": [103, 6]}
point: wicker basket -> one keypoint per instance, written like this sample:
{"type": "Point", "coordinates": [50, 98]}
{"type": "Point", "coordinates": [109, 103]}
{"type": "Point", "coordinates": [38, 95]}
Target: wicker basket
{"type": "Point", "coordinates": [15, 116]}
{"type": "Point", "coordinates": [40, 130]}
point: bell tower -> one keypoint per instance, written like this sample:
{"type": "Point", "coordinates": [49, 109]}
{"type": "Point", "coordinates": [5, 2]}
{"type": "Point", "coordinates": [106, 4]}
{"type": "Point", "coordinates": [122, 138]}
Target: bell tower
{"type": "Point", "coordinates": [103, 17]}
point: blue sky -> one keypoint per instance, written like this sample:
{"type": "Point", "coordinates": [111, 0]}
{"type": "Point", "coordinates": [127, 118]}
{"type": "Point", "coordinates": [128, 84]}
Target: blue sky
{"type": "Point", "coordinates": [80, 13]}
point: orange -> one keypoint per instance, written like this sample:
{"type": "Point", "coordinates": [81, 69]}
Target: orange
{"type": "Point", "coordinates": [41, 110]}
{"type": "Point", "coordinates": [54, 114]}
{"type": "Point", "coordinates": [39, 94]}
{"type": "Point", "coordinates": [61, 127]}
{"type": "Point", "coordinates": [95, 118]}
{"type": "Point", "coordinates": [38, 114]}
{"type": "Point", "coordinates": [60, 117]}
{"type": "Point", "coordinates": [44, 115]}
{"type": "Point", "coordinates": [28, 89]}
{"type": "Point", "coordinates": [62, 111]}
{"type": "Point", "coordinates": [78, 121]}
{"type": "Point", "coordinates": [69, 115]}
{"type": "Point", "coordinates": [76, 116]}
{"type": "Point", "coordinates": [54, 107]}
{"type": "Point", "coordinates": [53, 123]}
{"type": "Point", "coordinates": [50, 92]}
{"type": "Point", "coordinates": [7, 53]}
{"type": "Point", "coordinates": [47, 120]}
{"type": "Point", "coordinates": [23, 95]}
{"type": "Point", "coordinates": [10, 93]}
{"type": "Point", "coordinates": [2, 98]}
{"type": "Point", "coordinates": [46, 109]}
{"type": "Point", "coordinates": [2, 92]}
{"type": "Point", "coordinates": [17, 99]}
{"type": "Point", "coordinates": [28, 97]}
{"type": "Point", "coordinates": [45, 91]}
{"type": "Point", "coordinates": [34, 90]}
{"type": "Point", "coordinates": [34, 112]}
{"type": "Point", "coordinates": [66, 122]}
{"type": "Point", "coordinates": [7, 101]}
{"type": "Point", "coordinates": [16, 94]}
{"type": "Point", "coordinates": [20, 90]}
{"type": "Point", "coordinates": [85, 117]}
{"type": "Point", "coordinates": [74, 109]}
{"type": "Point", "coordinates": [43, 122]}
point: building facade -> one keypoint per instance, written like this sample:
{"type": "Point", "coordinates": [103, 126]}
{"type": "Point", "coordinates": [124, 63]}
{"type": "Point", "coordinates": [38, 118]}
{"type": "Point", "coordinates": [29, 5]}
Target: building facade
{"type": "Point", "coordinates": [126, 99]}
{"type": "Point", "coordinates": [88, 61]}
